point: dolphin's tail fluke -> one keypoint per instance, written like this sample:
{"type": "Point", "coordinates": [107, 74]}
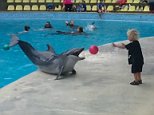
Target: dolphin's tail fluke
{"type": "Point", "coordinates": [32, 53]}
{"type": "Point", "coordinates": [14, 40]}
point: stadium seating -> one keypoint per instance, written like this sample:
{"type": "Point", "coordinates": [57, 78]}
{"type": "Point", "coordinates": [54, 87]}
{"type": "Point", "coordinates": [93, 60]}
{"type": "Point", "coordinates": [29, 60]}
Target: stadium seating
{"type": "Point", "coordinates": [88, 8]}
{"type": "Point", "coordinates": [57, 1]}
{"type": "Point", "coordinates": [27, 8]}
{"type": "Point", "coordinates": [18, 1]}
{"type": "Point", "coordinates": [41, 1]}
{"type": "Point", "coordinates": [131, 8]}
{"type": "Point", "coordinates": [40, 5]}
{"type": "Point", "coordinates": [33, 1]}
{"type": "Point", "coordinates": [93, 1]}
{"type": "Point", "coordinates": [125, 9]}
{"type": "Point", "coordinates": [94, 8]}
{"type": "Point", "coordinates": [11, 8]}
{"type": "Point", "coordinates": [136, 1]}
{"type": "Point", "coordinates": [35, 7]}
{"type": "Point", "coordinates": [19, 8]}
{"type": "Point", "coordinates": [58, 8]}
{"type": "Point", "coordinates": [10, 1]}
{"type": "Point", "coordinates": [146, 9]}
{"type": "Point", "coordinates": [129, 1]}
{"type": "Point", "coordinates": [114, 1]}
{"type": "Point", "coordinates": [108, 1]}
{"type": "Point", "coordinates": [87, 1]}
{"type": "Point", "coordinates": [110, 8]}
{"type": "Point", "coordinates": [49, 1]}
{"type": "Point", "coordinates": [26, 1]}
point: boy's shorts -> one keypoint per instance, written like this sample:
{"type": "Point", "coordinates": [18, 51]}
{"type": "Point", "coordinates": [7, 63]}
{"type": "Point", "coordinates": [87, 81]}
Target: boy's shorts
{"type": "Point", "coordinates": [136, 68]}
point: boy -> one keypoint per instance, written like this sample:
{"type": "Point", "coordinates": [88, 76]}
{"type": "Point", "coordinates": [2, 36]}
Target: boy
{"type": "Point", "coordinates": [135, 56]}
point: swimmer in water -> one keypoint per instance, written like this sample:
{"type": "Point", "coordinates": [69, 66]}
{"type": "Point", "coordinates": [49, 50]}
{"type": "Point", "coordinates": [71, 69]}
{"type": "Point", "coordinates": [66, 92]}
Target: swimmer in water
{"type": "Point", "coordinates": [48, 25]}
{"type": "Point", "coordinates": [78, 31]}
{"type": "Point", "coordinates": [26, 28]}
{"type": "Point", "coordinates": [91, 26]}
{"type": "Point", "coordinates": [71, 24]}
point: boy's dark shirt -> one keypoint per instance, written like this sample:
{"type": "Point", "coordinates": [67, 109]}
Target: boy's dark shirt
{"type": "Point", "coordinates": [135, 55]}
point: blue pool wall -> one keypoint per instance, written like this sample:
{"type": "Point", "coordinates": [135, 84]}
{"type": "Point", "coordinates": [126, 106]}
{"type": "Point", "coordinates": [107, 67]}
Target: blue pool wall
{"type": "Point", "coordinates": [72, 15]}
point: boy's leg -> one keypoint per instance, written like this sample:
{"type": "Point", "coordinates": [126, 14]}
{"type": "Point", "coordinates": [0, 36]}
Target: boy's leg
{"type": "Point", "coordinates": [135, 82]}
{"type": "Point", "coordinates": [139, 78]}
{"type": "Point", "coordinates": [136, 76]}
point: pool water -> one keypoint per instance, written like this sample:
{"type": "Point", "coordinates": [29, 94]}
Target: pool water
{"type": "Point", "coordinates": [14, 64]}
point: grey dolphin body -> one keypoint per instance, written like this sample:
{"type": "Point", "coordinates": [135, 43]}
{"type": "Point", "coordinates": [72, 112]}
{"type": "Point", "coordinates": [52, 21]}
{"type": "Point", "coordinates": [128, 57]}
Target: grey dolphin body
{"type": "Point", "coordinates": [48, 61]}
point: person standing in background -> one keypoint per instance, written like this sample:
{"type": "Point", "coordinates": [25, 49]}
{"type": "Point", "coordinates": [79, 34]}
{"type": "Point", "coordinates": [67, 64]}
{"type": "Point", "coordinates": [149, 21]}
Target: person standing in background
{"type": "Point", "coordinates": [67, 5]}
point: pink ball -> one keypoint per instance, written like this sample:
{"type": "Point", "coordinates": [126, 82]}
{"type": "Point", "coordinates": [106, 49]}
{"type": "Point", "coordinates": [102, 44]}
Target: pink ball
{"type": "Point", "coordinates": [93, 49]}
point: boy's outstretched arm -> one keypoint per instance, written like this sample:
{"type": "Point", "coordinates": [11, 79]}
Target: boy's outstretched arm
{"type": "Point", "coordinates": [122, 45]}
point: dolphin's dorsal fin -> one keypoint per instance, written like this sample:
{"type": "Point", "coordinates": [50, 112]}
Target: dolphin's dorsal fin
{"type": "Point", "coordinates": [50, 48]}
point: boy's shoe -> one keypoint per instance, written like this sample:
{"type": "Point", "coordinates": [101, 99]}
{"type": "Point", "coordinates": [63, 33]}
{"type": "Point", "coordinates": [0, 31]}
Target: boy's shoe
{"type": "Point", "coordinates": [134, 83]}
{"type": "Point", "coordinates": [140, 81]}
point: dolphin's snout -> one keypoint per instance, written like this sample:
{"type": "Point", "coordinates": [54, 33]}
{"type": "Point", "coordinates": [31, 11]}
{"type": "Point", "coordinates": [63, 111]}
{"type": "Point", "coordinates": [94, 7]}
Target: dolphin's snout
{"type": "Point", "coordinates": [78, 51]}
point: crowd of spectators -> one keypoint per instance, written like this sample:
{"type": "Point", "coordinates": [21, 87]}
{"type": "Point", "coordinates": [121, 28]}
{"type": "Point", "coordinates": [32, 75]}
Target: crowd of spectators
{"type": "Point", "coordinates": [69, 6]}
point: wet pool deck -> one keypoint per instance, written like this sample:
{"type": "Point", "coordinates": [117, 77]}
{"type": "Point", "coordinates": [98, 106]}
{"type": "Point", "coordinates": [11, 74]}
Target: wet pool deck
{"type": "Point", "coordinates": [101, 87]}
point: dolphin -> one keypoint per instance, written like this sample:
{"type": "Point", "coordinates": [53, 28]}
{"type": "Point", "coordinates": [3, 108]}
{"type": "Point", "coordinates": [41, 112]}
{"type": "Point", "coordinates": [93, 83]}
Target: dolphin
{"type": "Point", "coordinates": [48, 61]}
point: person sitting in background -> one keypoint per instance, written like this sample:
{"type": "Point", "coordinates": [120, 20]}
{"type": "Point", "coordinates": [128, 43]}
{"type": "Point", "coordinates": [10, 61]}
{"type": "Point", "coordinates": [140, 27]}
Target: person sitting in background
{"type": "Point", "coordinates": [141, 5]}
{"type": "Point", "coordinates": [121, 4]}
{"type": "Point", "coordinates": [151, 6]}
{"type": "Point", "coordinates": [81, 7]}
{"type": "Point", "coordinates": [48, 25]}
{"type": "Point", "coordinates": [50, 7]}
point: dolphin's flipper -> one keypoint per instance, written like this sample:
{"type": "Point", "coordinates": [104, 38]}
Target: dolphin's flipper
{"type": "Point", "coordinates": [60, 72]}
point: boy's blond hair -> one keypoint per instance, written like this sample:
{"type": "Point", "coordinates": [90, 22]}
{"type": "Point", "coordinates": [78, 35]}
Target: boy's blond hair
{"type": "Point", "coordinates": [133, 34]}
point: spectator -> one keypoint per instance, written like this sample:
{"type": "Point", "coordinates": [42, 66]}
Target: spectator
{"type": "Point", "coordinates": [67, 4]}
{"type": "Point", "coordinates": [79, 7]}
{"type": "Point", "coordinates": [101, 6]}
{"type": "Point", "coordinates": [121, 4]}
{"type": "Point", "coordinates": [50, 7]}
{"type": "Point", "coordinates": [141, 4]}
{"type": "Point", "coordinates": [84, 8]}
{"type": "Point", "coordinates": [151, 6]}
